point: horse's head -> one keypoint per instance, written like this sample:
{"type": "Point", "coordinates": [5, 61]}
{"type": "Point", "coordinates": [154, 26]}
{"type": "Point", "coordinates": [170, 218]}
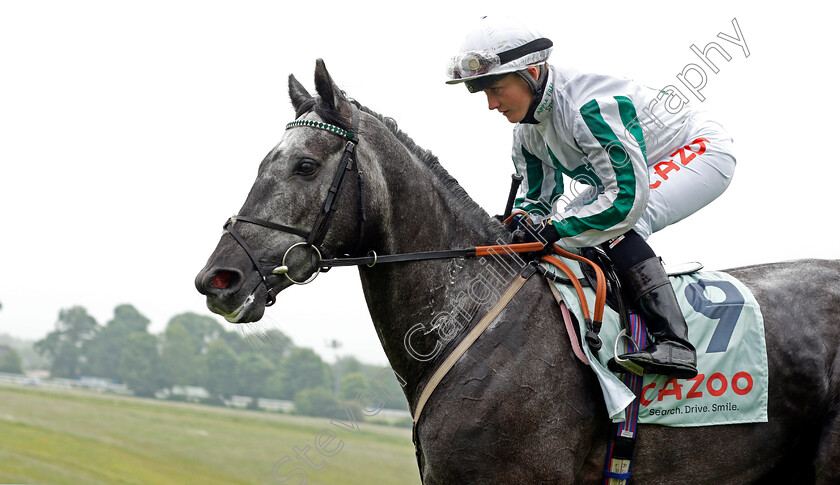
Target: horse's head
{"type": "Point", "coordinates": [301, 206]}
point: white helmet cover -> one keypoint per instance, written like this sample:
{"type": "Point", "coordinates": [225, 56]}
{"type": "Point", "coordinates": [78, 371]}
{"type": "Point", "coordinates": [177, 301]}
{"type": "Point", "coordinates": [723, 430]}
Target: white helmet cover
{"type": "Point", "coordinates": [497, 46]}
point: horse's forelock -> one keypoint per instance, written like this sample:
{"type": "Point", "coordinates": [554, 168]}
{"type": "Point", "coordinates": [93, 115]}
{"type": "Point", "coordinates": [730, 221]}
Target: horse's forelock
{"type": "Point", "coordinates": [326, 113]}
{"type": "Point", "coordinates": [329, 114]}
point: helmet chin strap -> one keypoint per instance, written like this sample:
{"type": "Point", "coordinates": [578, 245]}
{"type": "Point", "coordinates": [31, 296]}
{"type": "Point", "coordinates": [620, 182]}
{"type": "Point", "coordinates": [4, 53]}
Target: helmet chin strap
{"type": "Point", "coordinates": [537, 88]}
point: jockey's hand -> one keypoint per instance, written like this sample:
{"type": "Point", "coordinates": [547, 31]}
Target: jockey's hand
{"type": "Point", "coordinates": [544, 233]}
{"type": "Point", "coordinates": [548, 235]}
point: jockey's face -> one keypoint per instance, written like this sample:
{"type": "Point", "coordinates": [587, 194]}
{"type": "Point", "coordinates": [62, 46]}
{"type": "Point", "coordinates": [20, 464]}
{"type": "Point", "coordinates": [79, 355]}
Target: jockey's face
{"type": "Point", "coordinates": [511, 95]}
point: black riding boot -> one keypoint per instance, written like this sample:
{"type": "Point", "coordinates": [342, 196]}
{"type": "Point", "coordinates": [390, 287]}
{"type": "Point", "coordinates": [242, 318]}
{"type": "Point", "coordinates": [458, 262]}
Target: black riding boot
{"type": "Point", "coordinates": [671, 353]}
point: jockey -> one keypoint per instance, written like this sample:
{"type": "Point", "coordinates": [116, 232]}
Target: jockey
{"type": "Point", "coordinates": [639, 160]}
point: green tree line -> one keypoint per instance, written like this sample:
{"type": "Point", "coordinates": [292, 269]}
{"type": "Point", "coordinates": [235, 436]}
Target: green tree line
{"type": "Point", "coordinates": [196, 350]}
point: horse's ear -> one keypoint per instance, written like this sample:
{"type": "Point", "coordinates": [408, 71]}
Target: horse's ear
{"type": "Point", "coordinates": [297, 93]}
{"type": "Point", "coordinates": [326, 88]}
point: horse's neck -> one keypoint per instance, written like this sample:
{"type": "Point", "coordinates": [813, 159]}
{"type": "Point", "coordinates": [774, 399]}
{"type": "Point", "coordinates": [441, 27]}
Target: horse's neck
{"type": "Point", "coordinates": [413, 304]}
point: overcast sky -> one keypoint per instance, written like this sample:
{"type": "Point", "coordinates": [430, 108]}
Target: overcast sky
{"type": "Point", "coordinates": [130, 131]}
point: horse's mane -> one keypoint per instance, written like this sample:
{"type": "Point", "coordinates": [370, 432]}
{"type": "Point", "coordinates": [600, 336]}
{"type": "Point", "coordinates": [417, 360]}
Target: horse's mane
{"type": "Point", "coordinates": [423, 155]}
{"type": "Point", "coordinates": [431, 161]}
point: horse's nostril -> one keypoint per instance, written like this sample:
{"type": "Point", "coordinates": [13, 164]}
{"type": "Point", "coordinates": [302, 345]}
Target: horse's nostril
{"type": "Point", "coordinates": [218, 281]}
{"type": "Point", "coordinates": [222, 279]}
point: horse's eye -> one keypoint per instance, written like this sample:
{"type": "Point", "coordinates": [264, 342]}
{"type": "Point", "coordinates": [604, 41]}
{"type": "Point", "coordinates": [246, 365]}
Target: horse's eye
{"type": "Point", "coordinates": [306, 167]}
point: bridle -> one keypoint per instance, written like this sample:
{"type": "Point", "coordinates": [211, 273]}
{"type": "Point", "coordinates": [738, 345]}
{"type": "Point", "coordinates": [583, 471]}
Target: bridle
{"type": "Point", "coordinates": [314, 237]}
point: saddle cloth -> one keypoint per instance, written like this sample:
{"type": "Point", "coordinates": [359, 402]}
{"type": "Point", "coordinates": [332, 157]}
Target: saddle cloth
{"type": "Point", "coordinates": [724, 325]}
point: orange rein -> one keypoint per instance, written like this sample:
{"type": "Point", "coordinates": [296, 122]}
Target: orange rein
{"type": "Point", "coordinates": [601, 281]}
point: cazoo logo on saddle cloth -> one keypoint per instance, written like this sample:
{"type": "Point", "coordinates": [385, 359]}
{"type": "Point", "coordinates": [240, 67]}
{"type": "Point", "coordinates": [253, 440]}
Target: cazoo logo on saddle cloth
{"type": "Point", "coordinates": [725, 326]}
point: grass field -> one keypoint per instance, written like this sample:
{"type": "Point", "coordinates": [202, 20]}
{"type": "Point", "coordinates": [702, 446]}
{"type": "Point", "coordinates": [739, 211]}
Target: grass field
{"type": "Point", "coordinates": [74, 437]}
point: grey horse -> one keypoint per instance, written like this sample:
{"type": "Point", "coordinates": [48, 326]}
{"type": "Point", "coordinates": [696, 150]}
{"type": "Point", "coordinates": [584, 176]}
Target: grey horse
{"type": "Point", "coordinates": [517, 407]}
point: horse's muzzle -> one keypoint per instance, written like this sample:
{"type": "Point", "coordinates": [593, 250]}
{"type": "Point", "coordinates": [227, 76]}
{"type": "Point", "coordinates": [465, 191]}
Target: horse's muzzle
{"type": "Point", "coordinates": [227, 296]}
